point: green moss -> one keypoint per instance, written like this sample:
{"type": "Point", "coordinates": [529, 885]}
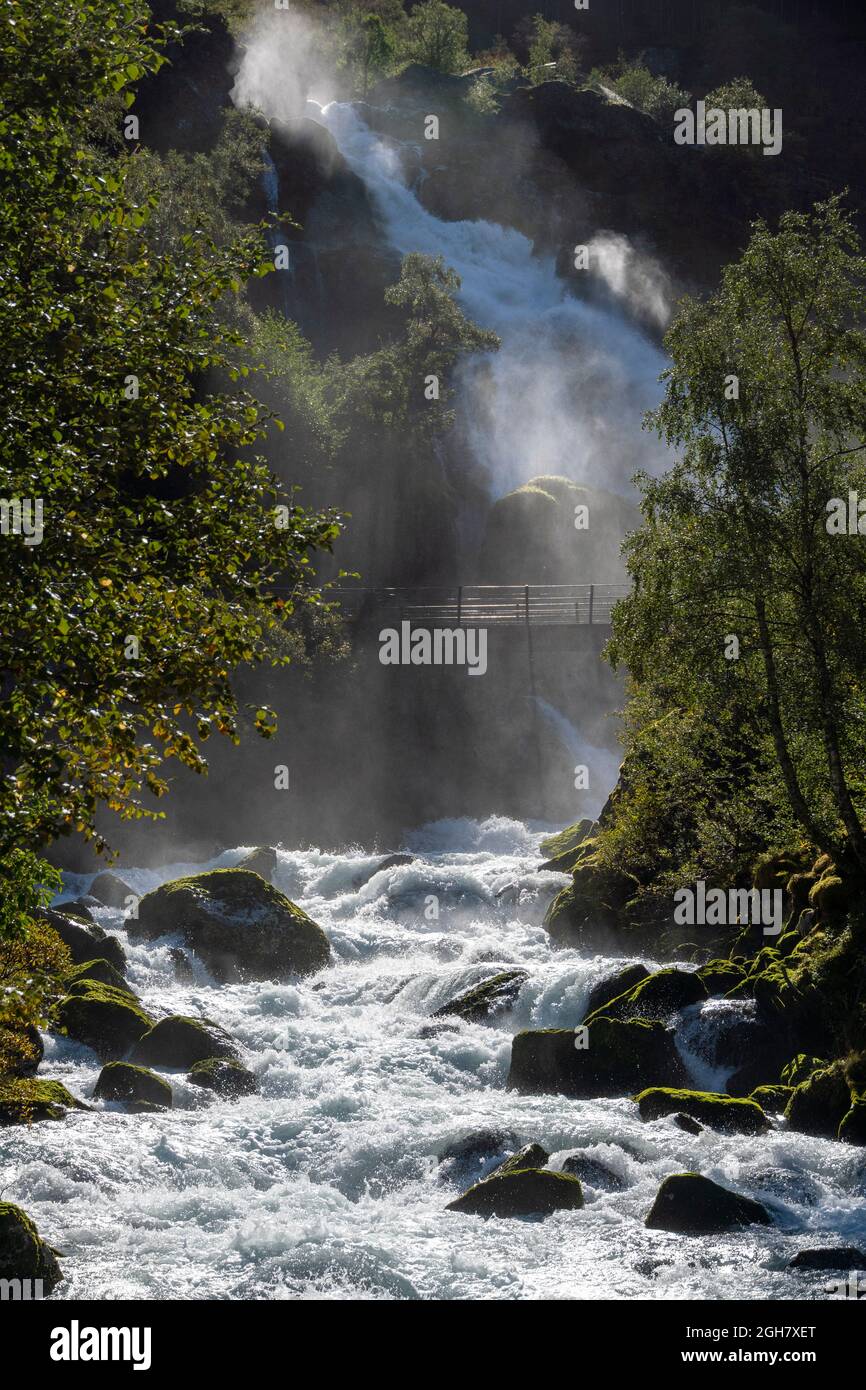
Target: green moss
{"type": "Point", "coordinates": [97, 971]}
{"type": "Point", "coordinates": [773, 1098]}
{"type": "Point", "coordinates": [24, 1100]}
{"type": "Point", "coordinates": [852, 1127]}
{"type": "Point", "coordinates": [567, 839]}
{"type": "Point", "coordinates": [23, 1253]}
{"type": "Point", "coordinates": [691, 1204]}
{"type": "Point", "coordinates": [123, 1081]}
{"type": "Point", "coordinates": [773, 870]}
{"type": "Point", "coordinates": [104, 1018]}
{"type": "Point", "coordinates": [521, 1192]}
{"type": "Point", "coordinates": [660, 994]}
{"type": "Point", "coordinates": [819, 1105]}
{"type": "Point", "coordinates": [489, 997]}
{"type": "Point", "coordinates": [719, 976]}
{"type": "Point", "coordinates": [801, 1067]}
{"type": "Point", "coordinates": [728, 1113]}
{"type": "Point", "coordinates": [178, 1041]}
{"type": "Point", "coordinates": [223, 1075]}
{"type": "Point", "coordinates": [830, 894]}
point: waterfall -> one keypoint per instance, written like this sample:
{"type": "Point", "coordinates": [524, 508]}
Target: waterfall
{"type": "Point", "coordinates": [270, 180]}
{"type": "Point", "coordinates": [602, 764]}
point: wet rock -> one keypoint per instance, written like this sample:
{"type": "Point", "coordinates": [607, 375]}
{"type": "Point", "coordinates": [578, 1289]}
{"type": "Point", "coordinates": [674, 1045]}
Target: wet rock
{"type": "Point", "coordinates": [690, 1204]}
{"type": "Point", "coordinates": [773, 1098]}
{"type": "Point", "coordinates": [819, 1105]}
{"type": "Point", "coordinates": [111, 890]}
{"type": "Point", "coordinates": [125, 1082]}
{"type": "Point", "coordinates": [783, 1184]}
{"type": "Point", "coordinates": [183, 971]}
{"type": "Point", "coordinates": [619, 1056]}
{"type": "Point", "coordinates": [181, 1042]}
{"type": "Point", "coordinates": [593, 1172]}
{"type": "Point", "coordinates": [433, 1030]}
{"type": "Point", "coordinates": [26, 1100]}
{"type": "Point", "coordinates": [475, 1150]}
{"type": "Point", "coordinates": [529, 1156]}
{"type": "Point", "coordinates": [240, 926]}
{"type": "Point", "coordinates": [686, 1123]}
{"type": "Point", "coordinates": [719, 976]}
{"type": "Point", "coordinates": [658, 996]}
{"type": "Point", "coordinates": [99, 971]}
{"type": "Point", "coordinates": [801, 1067]}
{"type": "Point", "coordinates": [391, 861]}
{"type": "Point", "coordinates": [493, 996]}
{"type": "Point", "coordinates": [613, 986]}
{"type": "Point", "coordinates": [23, 1252]}
{"type": "Point", "coordinates": [85, 942]}
{"type": "Point", "coordinates": [589, 912]}
{"type": "Point", "coordinates": [224, 1076]}
{"type": "Point", "coordinates": [852, 1127]}
{"type": "Point", "coordinates": [840, 1257]}
{"type": "Point", "coordinates": [80, 910]}
{"type": "Point", "coordinates": [734, 1116]}
{"type": "Point", "coordinates": [261, 861]}
{"type": "Point", "coordinates": [525, 1192]}
{"type": "Point", "coordinates": [106, 1019]}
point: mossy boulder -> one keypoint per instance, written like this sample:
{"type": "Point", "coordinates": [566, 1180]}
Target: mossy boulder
{"type": "Point", "coordinates": [592, 1172]}
{"type": "Point", "coordinates": [492, 996]}
{"type": "Point", "coordinates": [99, 971]}
{"type": "Point", "coordinates": [620, 1056]}
{"type": "Point", "coordinates": [819, 1105]}
{"type": "Point", "coordinates": [111, 890]}
{"type": "Point", "coordinates": [26, 1099]}
{"type": "Point", "coordinates": [612, 986]}
{"type": "Point", "coordinates": [224, 1076]}
{"type": "Point", "coordinates": [735, 1116]}
{"type": "Point", "coordinates": [521, 1192]}
{"type": "Point", "coordinates": [85, 941]}
{"type": "Point", "coordinates": [720, 976]}
{"type": "Point", "coordinates": [591, 911]}
{"type": "Point", "coordinates": [801, 1067]}
{"type": "Point", "coordinates": [852, 1126]}
{"type": "Point", "coordinates": [23, 1252]}
{"type": "Point", "coordinates": [565, 851]}
{"type": "Point", "coordinates": [691, 1204]}
{"type": "Point", "coordinates": [242, 927]}
{"type": "Point", "coordinates": [774, 870]}
{"type": "Point", "coordinates": [125, 1082]}
{"type": "Point", "coordinates": [181, 1042]}
{"type": "Point", "coordinates": [107, 1019]}
{"type": "Point", "coordinates": [658, 996]}
{"type": "Point", "coordinates": [831, 895]}
{"type": "Point", "coordinates": [261, 861]}
{"type": "Point", "coordinates": [772, 1098]}
{"type": "Point", "coordinates": [529, 1156]}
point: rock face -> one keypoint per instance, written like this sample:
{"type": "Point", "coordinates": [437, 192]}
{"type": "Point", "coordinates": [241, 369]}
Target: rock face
{"type": "Point", "coordinates": [24, 1100]}
{"type": "Point", "coordinates": [85, 942]}
{"type": "Point", "coordinates": [135, 1085]}
{"type": "Point", "coordinates": [852, 1127]}
{"type": "Point", "coordinates": [620, 1056]}
{"type": "Point", "coordinates": [521, 1192]}
{"type": "Point", "coordinates": [106, 1019]}
{"type": "Point", "coordinates": [693, 1205]}
{"type": "Point", "coordinates": [181, 1042]}
{"type": "Point", "coordinates": [658, 996]}
{"type": "Point", "coordinates": [111, 890]}
{"type": "Point", "coordinates": [614, 986]}
{"type": "Point", "coordinates": [492, 996]}
{"type": "Point", "coordinates": [717, 1111]}
{"type": "Point", "coordinates": [225, 1077]}
{"type": "Point", "coordinates": [589, 912]}
{"type": "Point", "coordinates": [23, 1252]}
{"type": "Point", "coordinates": [240, 926]}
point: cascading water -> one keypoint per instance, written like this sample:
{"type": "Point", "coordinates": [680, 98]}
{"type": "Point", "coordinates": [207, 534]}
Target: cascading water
{"type": "Point", "coordinates": [271, 188]}
{"type": "Point", "coordinates": [601, 763]}
{"type": "Point", "coordinates": [326, 1184]}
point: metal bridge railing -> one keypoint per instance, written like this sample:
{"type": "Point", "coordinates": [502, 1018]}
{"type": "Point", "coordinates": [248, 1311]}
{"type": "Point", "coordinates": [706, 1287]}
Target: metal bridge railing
{"type": "Point", "coordinates": [484, 605]}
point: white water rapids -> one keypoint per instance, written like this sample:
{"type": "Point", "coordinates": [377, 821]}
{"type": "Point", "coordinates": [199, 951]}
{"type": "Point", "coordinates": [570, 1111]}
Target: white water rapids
{"type": "Point", "coordinates": [326, 1185]}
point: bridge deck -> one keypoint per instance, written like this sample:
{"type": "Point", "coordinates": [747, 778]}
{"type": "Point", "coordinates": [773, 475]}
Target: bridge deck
{"type": "Point", "coordinates": [483, 605]}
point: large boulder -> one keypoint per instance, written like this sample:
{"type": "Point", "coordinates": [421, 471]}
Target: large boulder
{"type": "Point", "coordinates": [136, 1086]}
{"type": "Point", "coordinates": [612, 986]}
{"type": "Point", "coordinates": [261, 861]}
{"type": "Point", "coordinates": [99, 971]}
{"type": "Point", "coordinates": [223, 1076]}
{"type": "Point", "coordinates": [23, 1253]}
{"type": "Point", "coordinates": [181, 1042]}
{"type": "Point", "coordinates": [25, 1100]}
{"type": "Point", "coordinates": [819, 1105]}
{"type": "Point", "coordinates": [694, 1205]}
{"type": "Point", "coordinates": [529, 1156]}
{"type": "Point", "coordinates": [85, 941]}
{"type": "Point", "coordinates": [592, 1172]}
{"type": "Point", "coordinates": [111, 890]}
{"type": "Point", "coordinates": [658, 996]}
{"type": "Point", "coordinates": [104, 1018]}
{"type": "Point", "coordinates": [619, 1056]}
{"type": "Point", "coordinates": [492, 996]}
{"type": "Point", "coordinates": [829, 1257]}
{"type": "Point", "coordinates": [709, 1108]}
{"type": "Point", "coordinates": [521, 1192]}
{"type": "Point", "coordinates": [589, 913]}
{"type": "Point", "coordinates": [719, 976]}
{"type": "Point", "coordinates": [240, 926]}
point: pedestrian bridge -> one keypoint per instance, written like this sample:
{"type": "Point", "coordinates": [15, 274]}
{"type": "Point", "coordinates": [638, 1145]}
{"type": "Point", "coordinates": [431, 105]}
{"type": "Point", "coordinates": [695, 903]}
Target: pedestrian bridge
{"type": "Point", "coordinates": [482, 605]}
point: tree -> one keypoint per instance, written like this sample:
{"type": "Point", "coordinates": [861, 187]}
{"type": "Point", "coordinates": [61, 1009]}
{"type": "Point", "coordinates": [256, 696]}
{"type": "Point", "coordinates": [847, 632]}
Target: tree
{"type": "Point", "coordinates": [437, 36]}
{"type": "Point", "coordinates": [766, 399]}
{"type": "Point", "coordinates": [152, 574]}
{"type": "Point", "coordinates": [370, 46]}
{"type": "Point", "coordinates": [553, 49]}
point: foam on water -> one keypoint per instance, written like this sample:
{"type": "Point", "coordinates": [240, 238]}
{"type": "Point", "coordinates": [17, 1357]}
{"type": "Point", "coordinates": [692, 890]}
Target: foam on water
{"type": "Point", "coordinates": [327, 1184]}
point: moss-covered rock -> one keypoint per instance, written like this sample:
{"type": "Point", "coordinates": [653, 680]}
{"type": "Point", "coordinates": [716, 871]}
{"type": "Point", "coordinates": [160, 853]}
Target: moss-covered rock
{"type": "Point", "coordinates": [590, 911]}
{"type": "Point", "coordinates": [521, 1192]}
{"type": "Point", "coordinates": [801, 1067]}
{"type": "Point", "coordinates": [99, 971]}
{"type": "Point", "coordinates": [181, 1042]}
{"type": "Point", "coordinates": [565, 851]}
{"type": "Point", "coordinates": [720, 976]}
{"type": "Point", "coordinates": [23, 1252]}
{"type": "Point", "coordinates": [106, 1019]}
{"type": "Point", "coordinates": [735, 1116]}
{"type": "Point", "coordinates": [612, 986]}
{"type": "Point", "coordinates": [831, 895]}
{"type": "Point", "coordinates": [261, 861]}
{"type": "Point", "coordinates": [772, 1098]}
{"type": "Point", "coordinates": [240, 926]}
{"type": "Point", "coordinates": [774, 870]}
{"type": "Point", "coordinates": [26, 1099]}
{"type": "Point", "coordinates": [85, 942]}
{"type": "Point", "coordinates": [492, 996]}
{"type": "Point", "coordinates": [691, 1204]}
{"type": "Point", "coordinates": [125, 1082]}
{"type": "Point", "coordinates": [852, 1126]}
{"type": "Point", "coordinates": [529, 1156]}
{"type": "Point", "coordinates": [224, 1076]}
{"type": "Point", "coordinates": [620, 1056]}
{"type": "Point", "coordinates": [658, 996]}
{"type": "Point", "coordinates": [111, 889]}
{"type": "Point", "coordinates": [819, 1105]}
